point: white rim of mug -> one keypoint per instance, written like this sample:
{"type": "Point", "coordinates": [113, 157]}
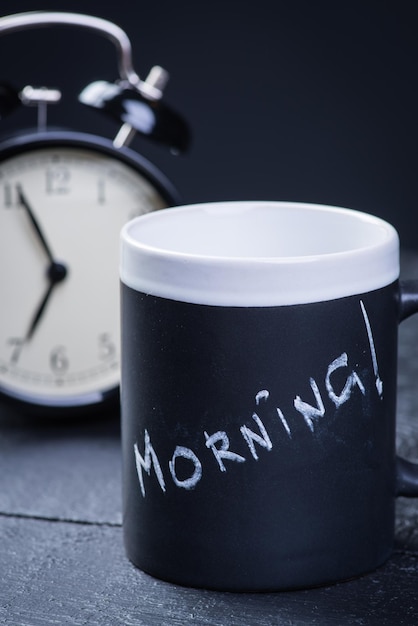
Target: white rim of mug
{"type": "Point", "coordinates": [269, 281]}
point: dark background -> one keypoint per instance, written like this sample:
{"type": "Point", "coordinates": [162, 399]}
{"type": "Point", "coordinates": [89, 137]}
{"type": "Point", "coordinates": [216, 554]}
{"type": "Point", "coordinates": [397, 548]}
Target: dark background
{"type": "Point", "coordinates": [299, 100]}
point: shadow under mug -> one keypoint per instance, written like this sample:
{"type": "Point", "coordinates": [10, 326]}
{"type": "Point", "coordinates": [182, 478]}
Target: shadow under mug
{"type": "Point", "coordinates": [259, 364]}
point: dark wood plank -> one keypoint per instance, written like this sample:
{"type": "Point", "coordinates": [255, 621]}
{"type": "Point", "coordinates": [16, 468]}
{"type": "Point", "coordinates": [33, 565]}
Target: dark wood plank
{"type": "Point", "coordinates": [57, 469]}
{"type": "Point", "coordinates": [58, 573]}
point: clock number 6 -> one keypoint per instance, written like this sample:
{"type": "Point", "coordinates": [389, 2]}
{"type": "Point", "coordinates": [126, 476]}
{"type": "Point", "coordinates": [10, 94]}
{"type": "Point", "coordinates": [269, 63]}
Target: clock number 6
{"type": "Point", "coordinates": [58, 360]}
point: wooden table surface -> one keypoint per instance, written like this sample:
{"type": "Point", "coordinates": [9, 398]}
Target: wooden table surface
{"type": "Point", "coordinates": [62, 555]}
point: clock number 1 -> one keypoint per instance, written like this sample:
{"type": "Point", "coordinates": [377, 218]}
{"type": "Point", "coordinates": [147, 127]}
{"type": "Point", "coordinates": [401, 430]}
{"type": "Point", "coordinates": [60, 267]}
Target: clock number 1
{"type": "Point", "coordinates": [101, 196]}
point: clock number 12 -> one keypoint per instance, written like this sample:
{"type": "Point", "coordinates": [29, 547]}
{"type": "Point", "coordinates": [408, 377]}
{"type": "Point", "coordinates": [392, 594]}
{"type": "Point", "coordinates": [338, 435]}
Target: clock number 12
{"type": "Point", "coordinates": [57, 179]}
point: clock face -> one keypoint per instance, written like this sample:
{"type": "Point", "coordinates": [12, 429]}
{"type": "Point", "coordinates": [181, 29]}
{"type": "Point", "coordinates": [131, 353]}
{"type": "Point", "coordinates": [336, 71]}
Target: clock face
{"type": "Point", "coordinates": [61, 211]}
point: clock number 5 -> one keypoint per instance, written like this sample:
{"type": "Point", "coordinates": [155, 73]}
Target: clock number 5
{"type": "Point", "coordinates": [106, 346]}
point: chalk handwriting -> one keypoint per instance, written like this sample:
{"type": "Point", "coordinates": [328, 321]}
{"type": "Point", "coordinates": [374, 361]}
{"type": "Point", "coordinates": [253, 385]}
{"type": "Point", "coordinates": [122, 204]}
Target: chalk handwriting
{"type": "Point", "coordinates": [352, 381]}
{"type": "Point", "coordinates": [145, 463]}
{"type": "Point", "coordinates": [219, 444]}
{"type": "Point", "coordinates": [250, 437]}
{"type": "Point", "coordinates": [186, 453]}
{"type": "Point", "coordinates": [379, 384]}
{"type": "Point", "coordinates": [262, 395]}
{"type": "Point", "coordinates": [223, 452]}
{"type": "Point", "coordinates": [284, 422]}
{"type": "Point", "coordinates": [309, 412]}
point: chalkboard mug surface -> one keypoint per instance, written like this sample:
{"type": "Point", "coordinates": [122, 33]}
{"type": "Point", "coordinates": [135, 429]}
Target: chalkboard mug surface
{"type": "Point", "coordinates": [259, 358]}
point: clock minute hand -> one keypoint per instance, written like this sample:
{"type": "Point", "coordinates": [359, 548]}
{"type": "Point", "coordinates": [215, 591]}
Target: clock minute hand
{"type": "Point", "coordinates": [24, 202]}
{"type": "Point", "coordinates": [39, 312]}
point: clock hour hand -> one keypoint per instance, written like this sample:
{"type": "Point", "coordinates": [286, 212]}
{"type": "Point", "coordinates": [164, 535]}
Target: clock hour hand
{"type": "Point", "coordinates": [56, 273]}
{"type": "Point", "coordinates": [24, 202]}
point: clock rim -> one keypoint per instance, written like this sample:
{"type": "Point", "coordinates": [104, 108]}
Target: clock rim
{"type": "Point", "coordinates": [27, 141]}
{"type": "Point", "coordinates": [36, 140]}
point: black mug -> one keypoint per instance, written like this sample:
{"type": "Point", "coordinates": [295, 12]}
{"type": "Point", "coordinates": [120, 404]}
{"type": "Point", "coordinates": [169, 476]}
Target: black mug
{"type": "Point", "coordinates": [259, 359]}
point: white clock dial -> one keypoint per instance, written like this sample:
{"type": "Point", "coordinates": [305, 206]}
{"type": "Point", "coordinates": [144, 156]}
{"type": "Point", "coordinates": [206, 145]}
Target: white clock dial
{"type": "Point", "coordinates": [61, 211]}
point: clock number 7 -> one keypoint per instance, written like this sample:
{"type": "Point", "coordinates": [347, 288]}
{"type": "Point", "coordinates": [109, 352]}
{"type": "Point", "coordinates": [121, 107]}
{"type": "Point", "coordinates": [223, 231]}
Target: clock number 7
{"type": "Point", "coordinates": [17, 345]}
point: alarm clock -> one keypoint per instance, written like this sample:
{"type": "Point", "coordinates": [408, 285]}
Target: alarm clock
{"type": "Point", "coordinates": [64, 196]}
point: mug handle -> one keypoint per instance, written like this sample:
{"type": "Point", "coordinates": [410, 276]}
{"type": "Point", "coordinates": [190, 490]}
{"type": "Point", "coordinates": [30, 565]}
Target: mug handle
{"type": "Point", "coordinates": [407, 472]}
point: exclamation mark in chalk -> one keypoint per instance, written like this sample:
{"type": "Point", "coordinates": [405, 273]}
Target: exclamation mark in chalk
{"type": "Point", "coordinates": [379, 384]}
